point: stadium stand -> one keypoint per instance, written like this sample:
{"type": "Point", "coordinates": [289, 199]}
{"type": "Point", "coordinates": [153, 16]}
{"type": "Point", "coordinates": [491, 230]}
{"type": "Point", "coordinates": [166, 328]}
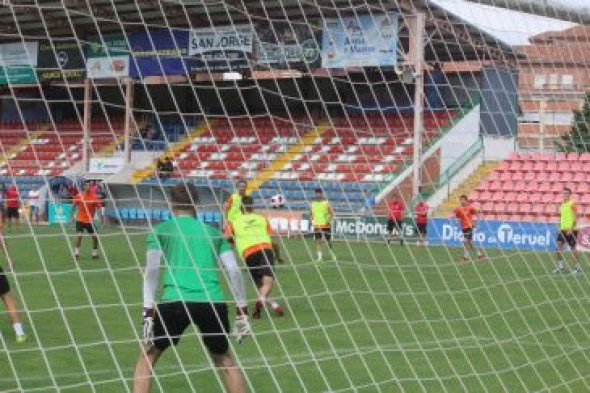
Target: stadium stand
{"type": "Point", "coordinates": [528, 186]}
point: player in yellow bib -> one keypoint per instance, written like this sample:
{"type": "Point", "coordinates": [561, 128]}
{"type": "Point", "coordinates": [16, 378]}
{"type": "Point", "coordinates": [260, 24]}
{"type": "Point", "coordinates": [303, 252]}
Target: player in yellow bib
{"type": "Point", "coordinates": [567, 232]}
{"type": "Point", "coordinates": [252, 235]}
{"type": "Point", "coordinates": [233, 206]}
{"type": "Point", "coordinates": [321, 220]}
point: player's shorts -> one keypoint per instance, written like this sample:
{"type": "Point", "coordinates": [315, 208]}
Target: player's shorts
{"type": "Point", "coordinates": [4, 286]}
{"type": "Point", "coordinates": [394, 224]}
{"type": "Point", "coordinates": [260, 265]}
{"type": "Point", "coordinates": [468, 233]}
{"type": "Point", "coordinates": [421, 228]}
{"type": "Point", "coordinates": [84, 227]}
{"type": "Point", "coordinates": [172, 319]}
{"type": "Point", "coordinates": [570, 239]}
{"type": "Point", "coordinates": [12, 212]}
{"type": "Point", "coordinates": [322, 233]}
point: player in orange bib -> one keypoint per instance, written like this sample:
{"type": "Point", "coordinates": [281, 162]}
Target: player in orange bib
{"type": "Point", "coordinates": [467, 214]}
{"type": "Point", "coordinates": [87, 205]}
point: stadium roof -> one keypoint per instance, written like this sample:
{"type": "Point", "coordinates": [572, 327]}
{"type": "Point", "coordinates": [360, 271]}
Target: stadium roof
{"type": "Point", "coordinates": [450, 37]}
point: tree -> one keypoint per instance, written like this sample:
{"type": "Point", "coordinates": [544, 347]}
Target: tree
{"type": "Point", "coordinates": [578, 139]}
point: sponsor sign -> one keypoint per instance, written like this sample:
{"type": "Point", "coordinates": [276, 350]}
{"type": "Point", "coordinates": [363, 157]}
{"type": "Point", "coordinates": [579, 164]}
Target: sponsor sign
{"type": "Point", "coordinates": [360, 41]}
{"type": "Point", "coordinates": [159, 52]}
{"type": "Point", "coordinates": [108, 59]}
{"type": "Point", "coordinates": [495, 234]}
{"type": "Point", "coordinates": [285, 221]}
{"type": "Point", "coordinates": [285, 45]}
{"type": "Point", "coordinates": [17, 62]}
{"type": "Point", "coordinates": [221, 48]}
{"type": "Point", "coordinates": [584, 238]}
{"type": "Point", "coordinates": [59, 213]}
{"type": "Point", "coordinates": [60, 59]}
{"type": "Point", "coordinates": [369, 227]}
{"type": "Point", "coordinates": [106, 165]}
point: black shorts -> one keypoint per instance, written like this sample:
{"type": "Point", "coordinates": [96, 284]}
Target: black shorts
{"type": "Point", "coordinates": [421, 228]}
{"type": "Point", "coordinates": [394, 224]}
{"type": "Point", "coordinates": [570, 239]}
{"type": "Point", "coordinates": [322, 233]}
{"type": "Point", "coordinates": [173, 318]}
{"type": "Point", "coordinates": [260, 265]}
{"type": "Point", "coordinates": [468, 233]}
{"type": "Point", "coordinates": [82, 227]}
{"type": "Point", "coordinates": [4, 286]}
{"type": "Point", "coordinates": [12, 212]}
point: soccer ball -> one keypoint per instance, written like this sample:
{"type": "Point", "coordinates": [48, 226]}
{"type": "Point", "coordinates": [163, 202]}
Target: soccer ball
{"type": "Point", "coordinates": [277, 201]}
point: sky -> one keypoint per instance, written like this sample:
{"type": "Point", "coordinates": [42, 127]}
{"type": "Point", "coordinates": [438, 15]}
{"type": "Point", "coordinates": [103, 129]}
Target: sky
{"type": "Point", "coordinates": [512, 27]}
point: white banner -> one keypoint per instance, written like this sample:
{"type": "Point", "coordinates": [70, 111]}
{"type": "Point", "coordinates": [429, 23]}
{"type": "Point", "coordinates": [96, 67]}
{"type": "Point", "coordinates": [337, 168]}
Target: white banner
{"type": "Point", "coordinates": [19, 54]}
{"type": "Point", "coordinates": [107, 165]}
{"type": "Point", "coordinates": [227, 38]}
{"type": "Point", "coordinates": [364, 41]}
{"type": "Point", "coordinates": [584, 238]}
{"type": "Point", "coordinates": [107, 67]}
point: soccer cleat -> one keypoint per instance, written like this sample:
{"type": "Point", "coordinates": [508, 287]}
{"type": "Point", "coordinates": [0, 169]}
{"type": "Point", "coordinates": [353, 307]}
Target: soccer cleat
{"type": "Point", "coordinates": [278, 310]}
{"type": "Point", "coordinates": [481, 256]}
{"type": "Point", "coordinates": [576, 271]}
{"type": "Point", "coordinates": [559, 270]}
{"type": "Point", "coordinates": [21, 339]}
{"type": "Point", "coordinates": [318, 260]}
{"type": "Point", "coordinates": [257, 310]}
{"type": "Point", "coordinates": [95, 257]}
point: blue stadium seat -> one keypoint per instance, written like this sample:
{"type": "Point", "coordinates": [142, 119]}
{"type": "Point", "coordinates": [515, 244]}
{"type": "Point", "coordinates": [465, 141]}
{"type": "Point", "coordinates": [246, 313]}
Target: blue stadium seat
{"type": "Point", "coordinates": [217, 217]}
{"type": "Point", "coordinates": [165, 214]}
{"type": "Point", "coordinates": [208, 217]}
{"type": "Point", "coordinates": [141, 213]}
{"type": "Point", "coordinates": [157, 214]}
{"type": "Point", "coordinates": [124, 214]}
{"type": "Point", "coordinates": [132, 213]}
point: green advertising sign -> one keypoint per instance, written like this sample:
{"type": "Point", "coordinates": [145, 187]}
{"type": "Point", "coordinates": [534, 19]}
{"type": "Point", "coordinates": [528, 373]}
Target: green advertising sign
{"type": "Point", "coordinates": [17, 75]}
{"type": "Point", "coordinates": [109, 46]}
{"type": "Point", "coordinates": [59, 213]}
{"type": "Point", "coordinates": [369, 227]}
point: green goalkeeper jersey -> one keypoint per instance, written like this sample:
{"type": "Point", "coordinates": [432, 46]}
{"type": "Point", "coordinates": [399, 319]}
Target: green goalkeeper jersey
{"type": "Point", "coordinates": [190, 255]}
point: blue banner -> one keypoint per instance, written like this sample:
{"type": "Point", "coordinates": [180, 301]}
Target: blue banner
{"type": "Point", "coordinates": [160, 52]}
{"type": "Point", "coordinates": [368, 40]}
{"type": "Point", "coordinates": [495, 234]}
{"type": "Point", "coordinates": [59, 213]}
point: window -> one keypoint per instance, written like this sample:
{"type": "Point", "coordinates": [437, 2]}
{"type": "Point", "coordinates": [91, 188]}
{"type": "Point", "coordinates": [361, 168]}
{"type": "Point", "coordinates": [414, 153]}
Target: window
{"type": "Point", "coordinates": [567, 81]}
{"type": "Point", "coordinates": [553, 81]}
{"type": "Point", "coordinates": [539, 81]}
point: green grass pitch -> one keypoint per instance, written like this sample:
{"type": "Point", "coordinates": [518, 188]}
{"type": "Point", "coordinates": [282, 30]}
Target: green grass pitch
{"type": "Point", "coordinates": [381, 319]}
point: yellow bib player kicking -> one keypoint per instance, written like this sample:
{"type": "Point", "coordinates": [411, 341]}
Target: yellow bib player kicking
{"type": "Point", "coordinates": [252, 235]}
{"type": "Point", "coordinates": [567, 233]}
{"type": "Point", "coordinates": [321, 219]}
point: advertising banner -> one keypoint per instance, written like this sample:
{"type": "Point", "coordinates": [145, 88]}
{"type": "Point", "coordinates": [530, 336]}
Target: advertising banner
{"type": "Point", "coordinates": [225, 48]}
{"type": "Point", "coordinates": [584, 238]}
{"type": "Point", "coordinates": [285, 45]}
{"type": "Point", "coordinates": [60, 59]}
{"type": "Point", "coordinates": [364, 227]}
{"type": "Point", "coordinates": [17, 63]}
{"type": "Point", "coordinates": [59, 213]}
{"type": "Point", "coordinates": [286, 221]}
{"type": "Point", "coordinates": [106, 165]}
{"type": "Point", "coordinates": [159, 52]}
{"type": "Point", "coordinates": [360, 41]}
{"type": "Point", "coordinates": [108, 59]}
{"type": "Point", "coordinates": [495, 234]}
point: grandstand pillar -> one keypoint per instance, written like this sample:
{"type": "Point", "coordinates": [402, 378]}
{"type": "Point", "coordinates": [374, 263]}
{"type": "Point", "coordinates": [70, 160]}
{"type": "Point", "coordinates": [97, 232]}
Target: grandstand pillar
{"type": "Point", "coordinates": [128, 118]}
{"type": "Point", "coordinates": [417, 60]}
{"type": "Point", "coordinates": [87, 122]}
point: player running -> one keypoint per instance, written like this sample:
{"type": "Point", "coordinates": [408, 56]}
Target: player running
{"type": "Point", "coordinates": [421, 214]}
{"type": "Point", "coordinates": [321, 219]}
{"type": "Point", "coordinates": [6, 295]}
{"type": "Point", "coordinates": [87, 205]}
{"type": "Point", "coordinates": [233, 206]}
{"type": "Point", "coordinates": [192, 292]}
{"type": "Point", "coordinates": [567, 233]}
{"type": "Point", "coordinates": [467, 214]}
{"type": "Point", "coordinates": [395, 220]}
{"type": "Point", "coordinates": [252, 234]}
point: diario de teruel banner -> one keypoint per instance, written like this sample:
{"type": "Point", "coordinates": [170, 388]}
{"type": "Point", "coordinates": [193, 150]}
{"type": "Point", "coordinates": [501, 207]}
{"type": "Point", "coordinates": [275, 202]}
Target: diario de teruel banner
{"type": "Point", "coordinates": [495, 234]}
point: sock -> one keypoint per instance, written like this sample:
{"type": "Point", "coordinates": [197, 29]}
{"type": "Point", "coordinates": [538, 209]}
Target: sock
{"type": "Point", "coordinates": [94, 252]}
{"type": "Point", "coordinates": [18, 329]}
{"type": "Point", "coordinates": [319, 255]}
{"type": "Point", "coordinates": [261, 300]}
{"type": "Point", "coordinates": [577, 266]}
{"type": "Point", "coordinates": [76, 251]}
{"type": "Point", "coordinates": [479, 253]}
{"type": "Point", "coordinates": [560, 263]}
{"type": "Point", "coordinates": [466, 253]}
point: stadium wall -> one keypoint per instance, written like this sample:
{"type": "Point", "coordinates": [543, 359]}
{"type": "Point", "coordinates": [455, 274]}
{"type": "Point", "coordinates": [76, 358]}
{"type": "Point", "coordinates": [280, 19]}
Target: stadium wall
{"type": "Point", "coordinates": [463, 135]}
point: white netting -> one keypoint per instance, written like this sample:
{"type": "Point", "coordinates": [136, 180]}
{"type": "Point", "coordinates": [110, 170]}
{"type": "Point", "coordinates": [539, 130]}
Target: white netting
{"type": "Point", "coordinates": [370, 102]}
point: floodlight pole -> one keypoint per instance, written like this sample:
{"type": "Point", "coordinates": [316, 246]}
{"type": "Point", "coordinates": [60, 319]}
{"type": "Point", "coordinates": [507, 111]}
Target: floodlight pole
{"type": "Point", "coordinates": [417, 60]}
{"type": "Point", "coordinates": [86, 125]}
{"type": "Point", "coordinates": [128, 119]}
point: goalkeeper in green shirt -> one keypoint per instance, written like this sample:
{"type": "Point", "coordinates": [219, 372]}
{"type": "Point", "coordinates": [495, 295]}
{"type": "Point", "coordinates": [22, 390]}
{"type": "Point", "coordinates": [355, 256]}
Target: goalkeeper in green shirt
{"type": "Point", "coordinates": [192, 293]}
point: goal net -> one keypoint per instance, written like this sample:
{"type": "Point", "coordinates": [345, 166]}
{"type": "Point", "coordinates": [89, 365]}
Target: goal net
{"type": "Point", "coordinates": [356, 127]}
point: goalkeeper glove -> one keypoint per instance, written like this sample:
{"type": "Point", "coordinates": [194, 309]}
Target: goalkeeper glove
{"type": "Point", "coordinates": [147, 336]}
{"type": "Point", "coordinates": [242, 329]}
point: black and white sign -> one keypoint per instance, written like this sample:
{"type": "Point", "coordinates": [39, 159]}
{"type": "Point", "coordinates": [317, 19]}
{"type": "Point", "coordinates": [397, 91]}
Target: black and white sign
{"type": "Point", "coordinates": [224, 48]}
{"type": "Point", "coordinates": [285, 45]}
{"type": "Point", "coordinates": [59, 60]}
